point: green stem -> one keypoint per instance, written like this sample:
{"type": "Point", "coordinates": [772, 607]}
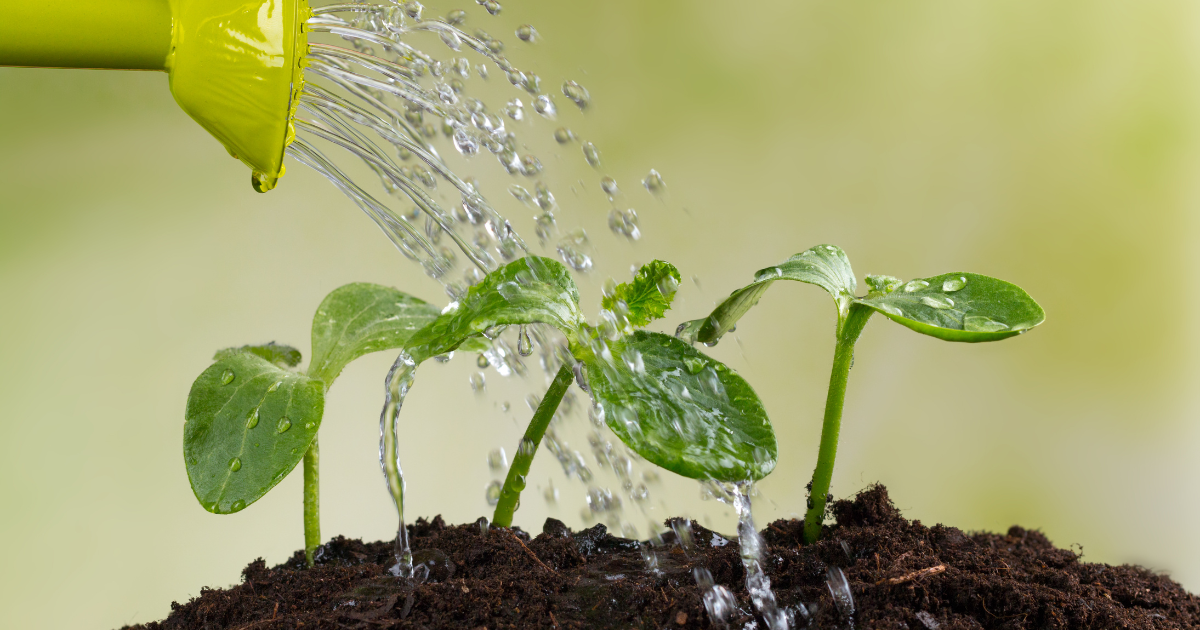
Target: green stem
{"type": "Point", "coordinates": [312, 501]}
{"type": "Point", "coordinates": [849, 328]}
{"type": "Point", "coordinates": [510, 495]}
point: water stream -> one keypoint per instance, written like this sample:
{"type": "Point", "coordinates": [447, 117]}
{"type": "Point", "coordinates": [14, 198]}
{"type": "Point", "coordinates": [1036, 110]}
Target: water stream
{"type": "Point", "coordinates": [385, 102]}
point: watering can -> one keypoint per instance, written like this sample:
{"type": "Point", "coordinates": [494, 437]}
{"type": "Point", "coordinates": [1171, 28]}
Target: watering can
{"type": "Point", "coordinates": [234, 65]}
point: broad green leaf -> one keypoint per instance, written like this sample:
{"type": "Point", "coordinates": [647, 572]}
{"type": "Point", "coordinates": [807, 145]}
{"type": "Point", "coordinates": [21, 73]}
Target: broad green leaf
{"type": "Point", "coordinates": [248, 423]}
{"type": "Point", "coordinates": [682, 410]}
{"type": "Point", "coordinates": [824, 265]}
{"type": "Point", "coordinates": [526, 291]}
{"type": "Point", "coordinates": [648, 296]}
{"type": "Point", "coordinates": [281, 355]}
{"type": "Point", "coordinates": [361, 318]}
{"type": "Point", "coordinates": [959, 307]}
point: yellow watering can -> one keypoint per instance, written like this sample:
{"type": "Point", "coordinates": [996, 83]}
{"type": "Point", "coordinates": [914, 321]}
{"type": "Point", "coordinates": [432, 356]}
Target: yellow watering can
{"type": "Point", "coordinates": [234, 65]}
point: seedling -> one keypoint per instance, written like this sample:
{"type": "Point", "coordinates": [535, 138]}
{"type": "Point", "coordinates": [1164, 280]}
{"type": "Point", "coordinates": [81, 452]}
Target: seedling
{"type": "Point", "coordinates": [953, 306]}
{"type": "Point", "coordinates": [252, 417]}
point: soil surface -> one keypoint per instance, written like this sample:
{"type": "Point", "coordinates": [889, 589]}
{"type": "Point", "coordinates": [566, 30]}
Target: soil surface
{"type": "Point", "coordinates": [902, 574]}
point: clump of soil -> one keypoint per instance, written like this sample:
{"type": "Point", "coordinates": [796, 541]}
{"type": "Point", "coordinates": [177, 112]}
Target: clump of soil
{"type": "Point", "coordinates": [903, 575]}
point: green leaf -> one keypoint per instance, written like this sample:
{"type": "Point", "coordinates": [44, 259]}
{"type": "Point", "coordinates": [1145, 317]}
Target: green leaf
{"type": "Point", "coordinates": [526, 291]}
{"type": "Point", "coordinates": [959, 307]}
{"type": "Point", "coordinates": [281, 355]}
{"type": "Point", "coordinates": [649, 296]}
{"type": "Point", "coordinates": [824, 265]}
{"type": "Point", "coordinates": [682, 410]}
{"type": "Point", "coordinates": [361, 318]}
{"type": "Point", "coordinates": [248, 423]}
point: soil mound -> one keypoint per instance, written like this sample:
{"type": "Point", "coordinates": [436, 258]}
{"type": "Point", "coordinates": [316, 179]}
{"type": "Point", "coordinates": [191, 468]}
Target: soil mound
{"type": "Point", "coordinates": [902, 575]}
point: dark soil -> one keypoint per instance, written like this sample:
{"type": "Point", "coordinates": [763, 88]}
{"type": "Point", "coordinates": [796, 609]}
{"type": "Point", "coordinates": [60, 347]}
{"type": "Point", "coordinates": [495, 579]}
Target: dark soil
{"type": "Point", "coordinates": [903, 575]}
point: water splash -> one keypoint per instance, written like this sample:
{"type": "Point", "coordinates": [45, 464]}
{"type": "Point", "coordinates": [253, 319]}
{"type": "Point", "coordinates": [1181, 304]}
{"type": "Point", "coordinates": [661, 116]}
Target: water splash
{"type": "Point", "coordinates": [758, 585]}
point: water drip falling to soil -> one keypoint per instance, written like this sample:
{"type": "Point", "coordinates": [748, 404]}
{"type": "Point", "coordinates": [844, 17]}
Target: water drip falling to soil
{"type": "Point", "coordinates": [589, 579]}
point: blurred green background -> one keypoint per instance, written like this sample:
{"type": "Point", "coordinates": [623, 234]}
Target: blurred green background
{"type": "Point", "coordinates": [1050, 144]}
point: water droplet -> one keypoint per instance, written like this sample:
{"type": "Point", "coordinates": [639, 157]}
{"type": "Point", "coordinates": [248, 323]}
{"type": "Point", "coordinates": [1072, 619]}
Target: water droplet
{"type": "Point", "coordinates": [515, 109]}
{"type": "Point", "coordinates": [252, 418]}
{"type": "Point", "coordinates": [550, 493]}
{"type": "Point", "coordinates": [694, 366]}
{"type": "Point", "coordinates": [524, 343]}
{"type": "Point", "coordinates": [937, 301]}
{"type": "Point", "coordinates": [492, 492]}
{"type": "Point", "coordinates": [591, 154]}
{"type": "Point", "coordinates": [927, 620]}
{"type": "Point", "coordinates": [413, 9]}
{"type": "Point", "coordinates": [237, 506]}
{"type": "Point", "coordinates": [609, 186]}
{"type": "Point", "coordinates": [481, 361]}
{"type": "Point", "coordinates": [544, 105]}
{"type": "Point", "coordinates": [574, 258]}
{"type": "Point", "coordinates": [624, 223]}
{"type": "Point", "coordinates": [654, 183]}
{"type": "Point", "coordinates": [577, 93]}
{"type": "Point", "coordinates": [530, 165]}
{"type": "Point", "coordinates": [563, 135]}
{"type": "Point", "coordinates": [466, 143]}
{"type": "Point", "coordinates": [979, 323]}
{"type": "Point", "coordinates": [284, 425]}
{"type": "Point", "coordinates": [235, 464]}
{"type": "Point", "coordinates": [309, 426]}
{"type": "Point", "coordinates": [274, 386]}
{"type": "Point", "coordinates": [493, 7]}
{"type": "Point", "coordinates": [527, 33]}
{"type": "Point", "coordinates": [954, 284]}
{"type": "Point", "coordinates": [497, 460]}
{"type": "Point", "coordinates": [915, 285]}
{"type": "Point", "coordinates": [891, 310]}
{"type": "Point", "coordinates": [545, 198]}
{"type": "Point", "coordinates": [456, 17]}
{"type": "Point", "coordinates": [227, 377]}
{"type": "Point", "coordinates": [478, 384]}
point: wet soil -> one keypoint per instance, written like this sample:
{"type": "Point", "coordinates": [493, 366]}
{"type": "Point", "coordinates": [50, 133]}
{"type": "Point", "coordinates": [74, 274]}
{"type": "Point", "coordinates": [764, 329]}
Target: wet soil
{"type": "Point", "coordinates": [903, 575]}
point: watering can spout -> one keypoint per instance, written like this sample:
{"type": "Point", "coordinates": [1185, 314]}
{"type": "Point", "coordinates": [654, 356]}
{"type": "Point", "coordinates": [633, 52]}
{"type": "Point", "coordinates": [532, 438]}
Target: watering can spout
{"type": "Point", "coordinates": [234, 65]}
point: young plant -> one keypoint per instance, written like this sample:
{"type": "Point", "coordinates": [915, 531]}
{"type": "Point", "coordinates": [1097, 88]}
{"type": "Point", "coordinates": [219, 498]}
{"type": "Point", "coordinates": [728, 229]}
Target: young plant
{"type": "Point", "coordinates": [251, 417]}
{"type": "Point", "coordinates": [672, 405]}
{"type": "Point", "coordinates": [953, 306]}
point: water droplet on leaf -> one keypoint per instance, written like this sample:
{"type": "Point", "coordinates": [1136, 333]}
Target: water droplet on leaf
{"type": "Point", "coordinates": [915, 285]}
{"type": "Point", "coordinates": [937, 301]}
{"type": "Point", "coordinates": [954, 284]}
{"type": "Point", "coordinates": [227, 377]}
{"type": "Point", "coordinates": [284, 425]}
{"type": "Point", "coordinates": [235, 464]}
{"type": "Point", "coordinates": [979, 323]}
{"type": "Point", "coordinates": [252, 418]}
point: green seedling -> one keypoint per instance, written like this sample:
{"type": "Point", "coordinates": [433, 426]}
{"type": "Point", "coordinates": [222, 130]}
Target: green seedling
{"type": "Point", "coordinates": [954, 307]}
{"type": "Point", "coordinates": [672, 405]}
{"type": "Point", "coordinates": [252, 416]}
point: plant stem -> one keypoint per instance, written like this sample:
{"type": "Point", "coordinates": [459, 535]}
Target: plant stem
{"type": "Point", "coordinates": [510, 495]}
{"type": "Point", "coordinates": [312, 501]}
{"type": "Point", "coordinates": [849, 328]}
